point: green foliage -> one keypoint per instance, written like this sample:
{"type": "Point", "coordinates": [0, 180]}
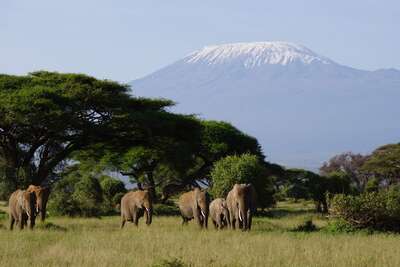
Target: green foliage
{"type": "Point", "coordinates": [88, 196]}
{"type": "Point", "coordinates": [384, 163]}
{"type": "Point", "coordinates": [338, 183]}
{"type": "Point", "coordinates": [113, 190]}
{"type": "Point", "coordinates": [375, 210]}
{"type": "Point", "coordinates": [245, 168]}
{"type": "Point", "coordinates": [303, 184]}
{"type": "Point", "coordinates": [340, 226]}
{"type": "Point", "coordinates": [46, 116]}
{"type": "Point", "coordinates": [79, 193]}
{"type": "Point", "coordinates": [165, 210]}
{"type": "Point", "coordinates": [348, 163]}
{"type": "Point", "coordinates": [372, 185]}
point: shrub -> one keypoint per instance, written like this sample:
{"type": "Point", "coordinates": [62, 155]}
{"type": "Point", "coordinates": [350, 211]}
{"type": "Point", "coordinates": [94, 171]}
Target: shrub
{"type": "Point", "coordinates": [340, 226]}
{"type": "Point", "coordinates": [83, 195]}
{"type": "Point", "coordinates": [166, 210]}
{"type": "Point", "coordinates": [374, 210]}
{"type": "Point", "coordinates": [245, 168]}
{"type": "Point", "coordinates": [88, 196]}
{"type": "Point", "coordinates": [113, 190]}
{"type": "Point", "coordinates": [61, 202]}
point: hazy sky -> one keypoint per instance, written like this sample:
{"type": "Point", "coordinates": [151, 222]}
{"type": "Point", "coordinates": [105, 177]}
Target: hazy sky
{"type": "Point", "coordinates": [125, 39]}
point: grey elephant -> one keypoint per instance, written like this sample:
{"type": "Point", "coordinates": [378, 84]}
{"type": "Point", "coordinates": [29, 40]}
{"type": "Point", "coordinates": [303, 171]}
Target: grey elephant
{"type": "Point", "coordinates": [42, 195]}
{"type": "Point", "coordinates": [134, 205]}
{"type": "Point", "coordinates": [195, 204]}
{"type": "Point", "coordinates": [21, 207]}
{"type": "Point", "coordinates": [219, 213]}
{"type": "Point", "coordinates": [241, 202]}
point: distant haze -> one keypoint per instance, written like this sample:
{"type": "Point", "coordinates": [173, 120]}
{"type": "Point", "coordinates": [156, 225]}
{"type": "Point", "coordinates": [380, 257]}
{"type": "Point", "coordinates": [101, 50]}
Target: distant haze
{"type": "Point", "coordinates": [302, 107]}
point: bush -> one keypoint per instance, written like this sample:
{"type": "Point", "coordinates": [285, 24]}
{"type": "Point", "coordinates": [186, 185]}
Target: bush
{"type": "Point", "coordinates": [113, 190]}
{"type": "Point", "coordinates": [370, 210]}
{"type": "Point", "coordinates": [166, 210]}
{"type": "Point", "coordinates": [245, 168]}
{"type": "Point", "coordinates": [340, 226]}
{"type": "Point", "coordinates": [88, 196]}
{"type": "Point", "coordinates": [84, 195]}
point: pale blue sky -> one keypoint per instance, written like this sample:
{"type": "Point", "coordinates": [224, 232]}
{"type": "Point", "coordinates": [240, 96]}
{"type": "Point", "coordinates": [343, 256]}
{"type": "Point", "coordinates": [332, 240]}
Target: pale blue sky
{"type": "Point", "coordinates": [125, 39]}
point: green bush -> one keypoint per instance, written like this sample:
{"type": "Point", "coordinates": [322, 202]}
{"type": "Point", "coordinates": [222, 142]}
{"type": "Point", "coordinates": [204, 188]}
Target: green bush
{"type": "Point", "coordinates": [370, 210]}
{"type": "Point", "coordinates": [84, 195]}
{"type": "Point", "coordinates": [339, 226]}
{"type": "Point", "coordinates": [88, 196]}
{"type": "Point", "coordinates": [245, 168]}
{"type": "Point", "coordinates": [166, 210]}
{"type": "Point", "coordinates": [113, 190]}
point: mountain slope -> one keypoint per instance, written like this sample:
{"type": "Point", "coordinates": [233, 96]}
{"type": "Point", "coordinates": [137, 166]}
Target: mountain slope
{"type": "Point", "coordinates": [302, 107]}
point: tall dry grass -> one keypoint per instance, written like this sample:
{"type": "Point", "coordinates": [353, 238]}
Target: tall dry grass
{"type": "Point", "coordinates": [100, 242]}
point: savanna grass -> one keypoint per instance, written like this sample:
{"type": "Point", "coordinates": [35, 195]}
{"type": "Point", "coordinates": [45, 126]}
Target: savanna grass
{"type": "Point", "coordinates": [100, 242]}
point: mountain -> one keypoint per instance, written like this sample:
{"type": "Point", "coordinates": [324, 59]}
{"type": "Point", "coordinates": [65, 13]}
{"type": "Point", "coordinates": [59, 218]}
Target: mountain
{"type": "Point", "coordinates": [302, 107]}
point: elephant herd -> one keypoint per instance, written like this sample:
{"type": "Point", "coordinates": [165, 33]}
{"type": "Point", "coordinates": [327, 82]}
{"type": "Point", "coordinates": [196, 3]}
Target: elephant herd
{"type": "Point", "coordinates": [25, 205]}
{"type": "Point", "coordinates": [234, 212]}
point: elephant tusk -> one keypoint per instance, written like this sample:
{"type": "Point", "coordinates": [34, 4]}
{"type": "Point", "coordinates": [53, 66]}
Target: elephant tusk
{"type": "Point", "coordinates": [202, 213]}
{"type": "Point", "coordinates": [240, 216]}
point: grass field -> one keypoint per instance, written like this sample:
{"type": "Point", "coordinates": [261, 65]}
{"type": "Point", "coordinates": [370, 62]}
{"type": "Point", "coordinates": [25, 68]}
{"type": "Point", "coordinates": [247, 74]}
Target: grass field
{"type": "Point", "coordinates": [272, 242]}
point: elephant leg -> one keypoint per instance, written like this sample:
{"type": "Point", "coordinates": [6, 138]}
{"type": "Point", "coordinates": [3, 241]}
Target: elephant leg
{"type": "Point", "coordinates": [231, 221]}
{"type": "Point", "coordinates": [12, 221]}
{"type": "Point", "coordinates": [31, 223]}
{"type": "Point", "coordinates": [238, 224]}
{"type": "Point", "coordinates": [219, 223]}
{"type": "Point", "coordinates": [249, 220]}
{"type": "Point", "coordinates": [123, 221]}
{"type": "Point", "coordinates": [233, 224]}
{"type": "Point", "coordinates": [215, 224]}
{"type": "Point", "coordinates": [197, 217]}
{"type": "Point", "coordinates": [184, 221]}
{"type": "Point", "coordinates": [135, 219]}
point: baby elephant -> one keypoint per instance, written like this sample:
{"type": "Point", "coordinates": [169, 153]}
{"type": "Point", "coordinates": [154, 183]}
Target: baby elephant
{"type": "Point", "coordinates": [22, 208]}
{"type": "Point", "coordinates": [134, 204]}
{"type": "Point", "coordinates": [219, 213]}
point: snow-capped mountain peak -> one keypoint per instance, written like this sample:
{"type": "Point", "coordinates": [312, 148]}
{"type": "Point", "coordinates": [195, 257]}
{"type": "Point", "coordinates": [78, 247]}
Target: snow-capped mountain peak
{"type": "Point", "coordinates": [302, 107]}
{"type": "Point", "coordinates": [256, 54]}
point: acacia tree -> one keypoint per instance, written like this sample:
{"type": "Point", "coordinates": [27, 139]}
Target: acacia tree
{"type": "Point", "coordinates": [348, 163]}
{"type": "Point", "coordinates": [45, 116]}
{"type": "Point", "coordinates": [184, 156]}
{"type": "Point", "coordinates": [384, 164]}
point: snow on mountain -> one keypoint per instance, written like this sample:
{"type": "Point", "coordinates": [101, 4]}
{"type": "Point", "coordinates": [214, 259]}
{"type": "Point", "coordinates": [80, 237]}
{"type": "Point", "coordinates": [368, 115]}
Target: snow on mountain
{"type": "Point", "coordinates": [256, 54]}
{"type": "Point", "coordinates": [302, 107]}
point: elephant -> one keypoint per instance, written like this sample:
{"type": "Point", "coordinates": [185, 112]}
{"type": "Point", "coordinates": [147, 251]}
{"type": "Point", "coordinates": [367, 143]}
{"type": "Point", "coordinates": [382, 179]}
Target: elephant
{"type": "Point", "coordinates": [22, 209]}
{"type": "Point", "coordinates": [42, 195]}
{"type": "Point", "coordinates": [195, 204]}
{"type": "Point", "coordinates": [241, 201]}
{"type": "Point", "coordinates": [219, 213]}
{"type": "Point", "coordinates": [134, 205]}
